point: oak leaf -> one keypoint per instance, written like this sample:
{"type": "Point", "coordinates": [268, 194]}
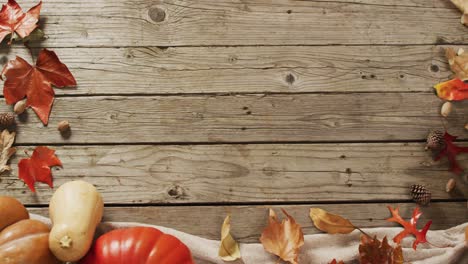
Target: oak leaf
{"type": "Point", "coordinates": [6, 141]}
{"type": "Point", "coordinates": [330, 223]}
{"type": "Point", "coordinates": [409, 227]}
{"type": "Point", "coordinates": [37, 168]}
{"type": "Point", "coordinates": [458, 62]}
{"type": "Point", "coordinates": [34, 82]}
{"type": "Point", "coordinates": [229, 248]}
{"type": "Point", "coordinates": [373, 251]}
{"type": "Point", "coordinates": [451, 151]}
{"type": "Point", "coordinates": [284, 238]}
{"type": "Point", "coordinates": [13, 19]}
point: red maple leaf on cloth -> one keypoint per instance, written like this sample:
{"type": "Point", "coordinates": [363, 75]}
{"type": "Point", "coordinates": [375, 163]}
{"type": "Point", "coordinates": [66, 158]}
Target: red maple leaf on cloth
{"type": "Point", "coordinates": [409, 227]}
{"type": "Point", "coordinates": [34, 82]}
{"type": "Point", "coordinates": [13, 19]}
{"type": "Point", "coordinates": [451, 151]}
{"type": "Point", "coordinates": [37, 168]}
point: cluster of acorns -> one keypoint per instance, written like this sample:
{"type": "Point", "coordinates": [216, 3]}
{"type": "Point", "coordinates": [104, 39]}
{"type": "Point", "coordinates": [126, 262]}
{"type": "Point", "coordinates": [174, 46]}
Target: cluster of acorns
{"type": "Point", "coordinates": [7, 120]}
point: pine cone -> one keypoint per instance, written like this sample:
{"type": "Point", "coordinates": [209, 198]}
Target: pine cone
{"type": "Point", "coordinates": [7, 119]}
{"type": "Point", "coordinates": [420, 194]}
{"type": "Point", "coordinates": [435, 140]}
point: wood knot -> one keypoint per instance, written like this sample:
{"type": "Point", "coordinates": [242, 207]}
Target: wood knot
{"type": "Point", "coordinates": [157, 14]}
{"type": "Point", "coordinates": [434, 68]}
{"type": "Point", "coordinates": [290, 78]}
{"type": "Point", "coordinates": [176, 192]}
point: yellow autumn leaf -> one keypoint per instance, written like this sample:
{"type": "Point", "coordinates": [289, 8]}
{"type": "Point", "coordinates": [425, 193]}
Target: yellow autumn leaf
{"type": "Point", "coordinates": [466, 234]}
{"type": "Point", "coordinates": [330, 223]}
{"type": "Point", "coordinates": [229, 249]}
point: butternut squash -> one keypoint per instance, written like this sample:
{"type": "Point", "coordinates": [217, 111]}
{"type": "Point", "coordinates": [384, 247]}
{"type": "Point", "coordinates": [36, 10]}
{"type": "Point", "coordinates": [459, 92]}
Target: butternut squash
{"type": "Point", "coordinates": [75, 209]}
{"type": "Point", "coordinates": [26, 241]}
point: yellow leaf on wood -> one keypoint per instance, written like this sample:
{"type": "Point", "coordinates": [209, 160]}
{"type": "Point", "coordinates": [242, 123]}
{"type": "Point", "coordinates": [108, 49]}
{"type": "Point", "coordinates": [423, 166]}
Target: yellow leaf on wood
{"type": "Point", "coordinates": [284, 238]}
{"type": "Point", "coordinates": [229, 248]}
{"type": "Point", "coordinates": [458, 62]}
{"type": "Point", "coordinates": [6, 141]}
{"type": "Point", "coordinates": [463, 6]}
{"type": "Point", "coordinates": [330, 223]}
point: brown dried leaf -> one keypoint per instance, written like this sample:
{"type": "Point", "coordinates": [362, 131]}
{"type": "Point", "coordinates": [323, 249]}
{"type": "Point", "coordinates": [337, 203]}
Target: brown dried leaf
{"type": "Point", "coordinates": [330, 223]}
{"type": "Point", "coordinates": [6, 141]}
{"type": "Point", "coordinates": [458, 63]}
{"type": "Point", "coordinates": [372, 251]}
{"type": "Point", "coordinates": [463, 6]}
{"type": "Point", "coordinates": [229, 248]}
{"type": "Point", "coordinates": [283, 238]}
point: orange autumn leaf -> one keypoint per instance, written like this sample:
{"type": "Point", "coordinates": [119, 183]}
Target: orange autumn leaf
{"type": "Point", "coordinates": [372, 251]}
{"type": "Point", "coordinates": [283, 238]}
{"type": "Point", "coordinates": [37, 168]}
{"type": "Point", "coordinates": [335, 262]}
{"type": "Point", "coordinates": [13, 19]}
{"type": "Point", "coordinates": [35, 82]}
{"type": "Point", "coordinates": [453, 90]}
{"type": "Point", "coordinates": [330, 223]}
{"type": "Point", "coordinates": [409, 227]}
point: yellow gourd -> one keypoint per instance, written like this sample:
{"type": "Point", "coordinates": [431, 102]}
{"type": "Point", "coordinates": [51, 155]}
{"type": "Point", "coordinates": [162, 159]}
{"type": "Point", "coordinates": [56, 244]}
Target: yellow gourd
{"type": "Point", "coordinates": [75, 209]}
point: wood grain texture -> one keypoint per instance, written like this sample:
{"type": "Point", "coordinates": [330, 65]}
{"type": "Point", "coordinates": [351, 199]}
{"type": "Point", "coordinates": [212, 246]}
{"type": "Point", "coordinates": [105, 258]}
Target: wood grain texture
{"type": "Point", "coordinates": [248, 22]}
{"type": "Point", "coordinates": [245, 173]}
{"type": "Point", "coordinates": [247, 222]}
{"type": "Point", "coordinates": [284, 69]}
{"type": "Point", "coordinates": [246, 118]}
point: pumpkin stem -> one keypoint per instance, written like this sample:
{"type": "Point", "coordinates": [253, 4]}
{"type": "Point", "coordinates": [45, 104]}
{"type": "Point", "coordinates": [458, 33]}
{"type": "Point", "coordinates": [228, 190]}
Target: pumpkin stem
{"type": "Point", "coordinates": [65, 242]}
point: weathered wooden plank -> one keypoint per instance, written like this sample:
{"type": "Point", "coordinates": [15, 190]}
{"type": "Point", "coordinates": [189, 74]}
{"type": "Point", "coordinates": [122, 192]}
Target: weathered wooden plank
{"type": "Point", "coordinates": [151, 70]}
{"type": "Point", "coordinates": [243, 118]}
{"type": "Point", "coordinates": [245, 173]}
{"type": "Point", "coordinates": [249, 221]}
{"type": "Point", "coordinates": [248, 22]}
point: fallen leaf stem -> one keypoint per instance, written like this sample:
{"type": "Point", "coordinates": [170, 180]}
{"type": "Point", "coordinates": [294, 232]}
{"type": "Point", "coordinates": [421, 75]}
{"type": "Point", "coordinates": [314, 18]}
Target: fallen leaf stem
{"type": "Point", "coordinates": [30, 52]}
{"type": "Point", "coordinates": [362, 231]}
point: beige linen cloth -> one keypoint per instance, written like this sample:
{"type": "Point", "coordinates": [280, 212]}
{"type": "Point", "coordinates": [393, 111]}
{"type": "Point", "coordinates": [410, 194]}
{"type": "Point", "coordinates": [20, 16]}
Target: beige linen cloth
{"type": "Point", "coordinates": [448, 246]}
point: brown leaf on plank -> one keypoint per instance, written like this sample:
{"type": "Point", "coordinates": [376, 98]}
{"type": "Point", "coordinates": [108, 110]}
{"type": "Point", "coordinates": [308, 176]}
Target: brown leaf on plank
{"type": "Point", "coordinates": [6, 141]}
{"type": "Point", "coordinates": [330, 223]}
{"type": "Point", "coordinates": [284, 238]}
{"type": "Point", "coordinates": [458, 62]}
{"type": "Point", "coordinates": [372, 251]}
{"type": "Point", "coordinates": [463, 6]}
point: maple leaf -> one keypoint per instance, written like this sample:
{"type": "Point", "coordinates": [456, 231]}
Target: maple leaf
{"type": "Point", "coordinates": [409, 227]}
{"type": "Point", "coordinates": [282, 238]}
{"type": "Point", "coordinates": [334, 261]}
{"type": "Point", "coordinates": [13, 19]}
{"type": "Point", "coordinates": [373, 251]}
{"type": "Point", "coordinates": [37, 168]}
{"type": "Point", "coordinates": [34, 82]}
{"type": "Point", "coordinates": [451, 151]}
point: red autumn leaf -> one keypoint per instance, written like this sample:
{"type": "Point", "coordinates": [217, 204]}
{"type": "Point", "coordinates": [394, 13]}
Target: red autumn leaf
{"type": "Point", "coordinates": [13, 19]}
{"type": "Point", "coordinates": [37, 168]}
{"type": "Point", "coordinates": [373, 251]}
{"type": "Point", "coordinates": [454, 89]}
{"type": "Point", "coordinates": [409, 227]}
{"type": "Point", "coordinates": [34, 82]}
{"type": "Point", "coordinates": [451, 151]}
{"type": "Point", "coordinates": [335, 262]}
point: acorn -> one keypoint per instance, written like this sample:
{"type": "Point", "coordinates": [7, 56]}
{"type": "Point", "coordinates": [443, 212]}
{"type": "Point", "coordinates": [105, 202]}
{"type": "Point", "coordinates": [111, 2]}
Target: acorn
{"type": "Point", "coordinates": [435, 140]}
{"type": "Point", "coordinates": [446, 109]}
{"type": "Point", "coordinates": [7, 119]}
{"type": "Point", "coordinates": [450, 185]}
{"type": "Point", "coordinates": [63, 126]}
{"type": "Point", "coordinates": [19, 107]}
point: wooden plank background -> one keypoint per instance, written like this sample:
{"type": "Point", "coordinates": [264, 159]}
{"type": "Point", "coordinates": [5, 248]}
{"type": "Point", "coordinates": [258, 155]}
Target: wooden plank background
{"type": "Point", "coordinates": [195, 109]}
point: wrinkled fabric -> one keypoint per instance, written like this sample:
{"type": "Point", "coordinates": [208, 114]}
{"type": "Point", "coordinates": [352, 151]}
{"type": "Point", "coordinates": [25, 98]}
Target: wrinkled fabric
{"type": "Point", "coordinates": [447, 246]}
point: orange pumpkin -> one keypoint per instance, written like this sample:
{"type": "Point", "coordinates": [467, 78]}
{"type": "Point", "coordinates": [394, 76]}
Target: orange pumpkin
{"type": "Point", "coordinates": [26, 241]}
{"type": "Point", "coordinates": [11, 211]}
